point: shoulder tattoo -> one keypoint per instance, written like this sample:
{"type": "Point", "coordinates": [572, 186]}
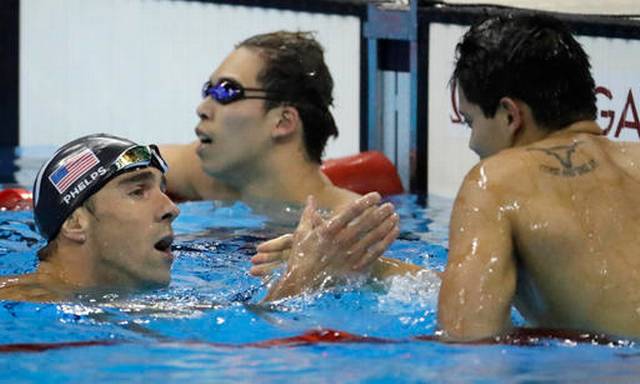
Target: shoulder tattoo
{"type": "Point", "coordinates": [563, 154]}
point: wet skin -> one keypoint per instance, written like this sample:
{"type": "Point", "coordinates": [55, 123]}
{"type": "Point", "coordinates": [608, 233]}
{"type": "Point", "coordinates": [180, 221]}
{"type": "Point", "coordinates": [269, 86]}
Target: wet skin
{"type": "Point", "coordinates": [550, 226]}
{"type": "Point", "coordinates": [132, 215]}
{"type": "Point", "coordinates": [121, 244]}
{"type": "Point", "coordinates": [234, 137]}
{"type": "Point", "coordinates": [245, 152]}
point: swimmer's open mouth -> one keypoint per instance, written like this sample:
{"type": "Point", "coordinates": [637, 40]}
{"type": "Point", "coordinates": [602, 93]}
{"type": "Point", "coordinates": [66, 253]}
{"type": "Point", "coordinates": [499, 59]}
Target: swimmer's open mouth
{"type": "Point", "coordinates": [164, 244]}
{"type": "Point", "coordinates": [204, 139]}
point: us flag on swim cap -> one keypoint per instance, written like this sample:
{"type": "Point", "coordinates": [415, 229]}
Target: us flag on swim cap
{"type": "Point", "coordinates": [73, 169]}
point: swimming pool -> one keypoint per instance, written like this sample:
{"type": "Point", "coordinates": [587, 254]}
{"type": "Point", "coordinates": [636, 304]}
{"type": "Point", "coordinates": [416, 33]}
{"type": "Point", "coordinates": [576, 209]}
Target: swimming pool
{"type": "Point", "coordinates": [207, 327]}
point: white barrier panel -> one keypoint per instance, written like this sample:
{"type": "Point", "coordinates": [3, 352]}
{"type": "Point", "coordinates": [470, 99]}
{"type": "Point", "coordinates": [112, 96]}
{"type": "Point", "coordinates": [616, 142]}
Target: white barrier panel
{"type": "Point", "coordinates": [615, 64]}
{"type": "Point", "coordinates": [135, 67]}
{"type": "Point", "coordinates": [449, 158]}
{"type": "Point", "coordinates": [572, 6]}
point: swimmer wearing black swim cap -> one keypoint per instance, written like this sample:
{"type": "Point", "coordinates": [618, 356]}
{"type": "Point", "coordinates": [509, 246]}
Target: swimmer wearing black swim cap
{"type": "Point", "coordinates": [79, 169]}
{"type": "Point", "coordinates": [100, 203]}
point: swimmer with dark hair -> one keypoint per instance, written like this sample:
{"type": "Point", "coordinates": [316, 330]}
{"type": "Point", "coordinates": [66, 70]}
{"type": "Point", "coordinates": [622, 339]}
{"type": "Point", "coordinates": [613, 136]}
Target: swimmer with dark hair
{"type": "Point", "coordinates": [264, 121]}
{"type": "Point", "coordinates": [548, 219]}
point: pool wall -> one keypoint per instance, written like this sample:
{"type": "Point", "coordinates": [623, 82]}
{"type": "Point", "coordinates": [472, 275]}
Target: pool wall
{"type": "Point", "coordinates": [135, 67]}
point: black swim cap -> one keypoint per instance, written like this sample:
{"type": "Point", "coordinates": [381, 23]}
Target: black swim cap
{"type": "Point", "coordinates": [78, 170]}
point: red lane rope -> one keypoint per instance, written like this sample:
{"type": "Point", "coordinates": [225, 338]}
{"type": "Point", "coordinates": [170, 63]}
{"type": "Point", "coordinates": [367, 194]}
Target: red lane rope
{"type": "Point", "coordinates": [519, 337]}
{"type": "Point", "coordinates": [307, 338]}
{"type": "Point", "coordinates": [319, 336]}
{"type": "Point", "coordinates": [15, 199]}
{"type": "Point", "coordinates": [42, 347]}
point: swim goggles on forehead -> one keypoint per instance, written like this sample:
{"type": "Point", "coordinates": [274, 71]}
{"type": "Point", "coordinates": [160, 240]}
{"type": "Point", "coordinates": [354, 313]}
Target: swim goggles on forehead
{"type": "Point", "coordinates": [139, 156]}
{"type": "Point", "coordinates": [227, 91]}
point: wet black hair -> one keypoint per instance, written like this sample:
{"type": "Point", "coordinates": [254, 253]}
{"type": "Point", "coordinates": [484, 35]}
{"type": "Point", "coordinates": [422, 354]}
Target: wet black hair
{"type": "Point", "coordinates": [531, 57]}
{"type": "Point", "coordinates": [295, 68]}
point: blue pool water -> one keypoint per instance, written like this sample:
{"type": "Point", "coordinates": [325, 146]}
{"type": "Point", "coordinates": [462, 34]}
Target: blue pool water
{"type": "Point", "coordinates": [207, 326]}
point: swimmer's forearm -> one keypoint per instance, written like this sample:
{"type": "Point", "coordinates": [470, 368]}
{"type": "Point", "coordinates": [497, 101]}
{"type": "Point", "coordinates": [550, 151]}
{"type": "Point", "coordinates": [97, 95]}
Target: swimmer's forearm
{"type": "Point", "coordinates": [291, 284]}
{"type": "Point", "coordinates": [280, 290]}
{"type": "Point", "coordinates": [386, 267]}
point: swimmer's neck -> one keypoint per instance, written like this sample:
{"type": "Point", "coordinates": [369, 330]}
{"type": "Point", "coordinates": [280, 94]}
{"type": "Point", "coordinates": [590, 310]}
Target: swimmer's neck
{"type": "Point", "coordinates": [284, 175]}
{"type": "Point", "coordinates": [589, 127]}
{"type": "Point", "coordinates": [55, 272]}
{"type": "Point", "coordinates": [71, 274]}
{"type": "Point", "coordinates": [290, 185]}
{"type": "Point", "coordinates": [535, 133]}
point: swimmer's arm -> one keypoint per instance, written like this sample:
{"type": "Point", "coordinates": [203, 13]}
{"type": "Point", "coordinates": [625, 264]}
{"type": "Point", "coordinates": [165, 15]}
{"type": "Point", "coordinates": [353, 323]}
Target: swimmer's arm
{"type": "Point", "coordinates": [325, 251]}
{"type": "Point", "coordinates": [185, 178]}
{"type": "Point", "coordinates": [181, 159]}
{"type": "Point", "coordinates": [386, 267]}
{"type": "Point", "coordinates": [273, 253]}
{"type": "Point", "coordinates": [479, 282]}
{"type": "Point", "coordinates": [270, 255]}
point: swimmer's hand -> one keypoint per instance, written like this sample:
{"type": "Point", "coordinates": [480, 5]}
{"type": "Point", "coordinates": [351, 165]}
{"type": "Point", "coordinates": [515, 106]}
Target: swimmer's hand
{"type": "Point", "coordinates": [271, 255]}
{"type": "Point", "coordinates": [323, 251]}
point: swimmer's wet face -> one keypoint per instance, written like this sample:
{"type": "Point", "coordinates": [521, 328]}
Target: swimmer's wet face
{"type": "Point", "coordinates": [234, 133]}
{"type": "Point", "coordinates": [489, 135]}
{"type": "Point", "coordinates": [129, 230]}
{"type": "Point", "coordinates": [100, 202]}
{"type": "Point", "coordinates": [235, 137]}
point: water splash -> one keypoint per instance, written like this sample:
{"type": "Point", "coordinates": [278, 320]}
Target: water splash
{"type": "Point", "coordinates": [419, 290]}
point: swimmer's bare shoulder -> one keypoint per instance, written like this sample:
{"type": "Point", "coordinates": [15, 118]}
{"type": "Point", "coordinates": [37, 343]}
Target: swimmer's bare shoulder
{"type": "Point", "coordinates": [25, 288]}
{"type": "Point", "coordinates": [572, 204]}
{"type": "Point", "coordinates": [337, 198]}
{"type": "Point", "coordinates": [186, 180]}
{"type": "Point", "coordinates": [626, 156]}
{"type": "Point", "coordinates": [505, 174]}
{"type": "Point", "coordinates": [566, 165]}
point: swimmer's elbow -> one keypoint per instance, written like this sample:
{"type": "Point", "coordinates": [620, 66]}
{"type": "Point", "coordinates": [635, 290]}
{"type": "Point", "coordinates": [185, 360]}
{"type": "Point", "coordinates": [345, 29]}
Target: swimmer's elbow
{"type": "Point", "coordinates": [460, 326]}
{"type": "Point", "coordinates": [472, 333]}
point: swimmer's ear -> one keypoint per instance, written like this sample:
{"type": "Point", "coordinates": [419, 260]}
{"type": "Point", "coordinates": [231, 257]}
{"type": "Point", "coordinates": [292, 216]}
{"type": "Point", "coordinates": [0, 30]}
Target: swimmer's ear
{"type": "Point", "coordinates": [512, 114]}
{"type": "Point", "coordinates": [288, 122]}
{"type": "Point", "coordinates": [75, 226]}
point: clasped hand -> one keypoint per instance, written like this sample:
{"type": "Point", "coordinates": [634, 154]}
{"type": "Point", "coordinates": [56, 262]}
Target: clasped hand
{"type": "Point", "coordinates": [321, 250]}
